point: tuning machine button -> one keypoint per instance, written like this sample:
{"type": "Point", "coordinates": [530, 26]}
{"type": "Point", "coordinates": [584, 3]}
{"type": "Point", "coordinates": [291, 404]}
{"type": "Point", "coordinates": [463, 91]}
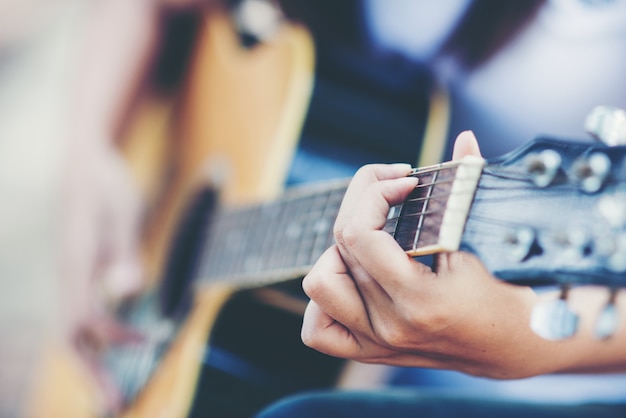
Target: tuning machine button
{"type": "Point", "coordinates": [573, 243]}
{"type": "Point", "coordinates": [521, 243]}
{"type": "Point", "coordinates": [592, 171]}
{"type": "Point", "coordinates": [613, 251]}
{"type": "Point", "coordinates": [617, 260]}
{"type": "Point", "coordinates": [612, 207]}
{"type": "Point", "coordinates": [553, 319]}
{"type": "Point", "coordinates": [608, 320]}
{"type": "Point", "coordinates": [543, 167]}
{"type": "Point", "coordinates": [607, 124]}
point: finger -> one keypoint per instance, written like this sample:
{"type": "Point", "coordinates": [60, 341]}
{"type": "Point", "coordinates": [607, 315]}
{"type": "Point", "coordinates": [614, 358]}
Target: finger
{"type": "Point", "coordinates": [372, 255]}
{"type": "Point", "coordinates": [323, 333]}
{"type": "Point", "coordinates": [465, 144]}
{"type": "Point", "coordinates": [332, 288]}
{"type": "Point", "coordinates": [365, 176]}
{"type": "Point", "coordinates": [373, 203]}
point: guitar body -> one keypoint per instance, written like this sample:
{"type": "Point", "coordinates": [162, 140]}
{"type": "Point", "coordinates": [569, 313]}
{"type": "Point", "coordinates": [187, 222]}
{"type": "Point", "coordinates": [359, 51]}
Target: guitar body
{"type": "Point", "coordinates": [224, 324]}
{"type": "Point", "coordinates": [226, 140]}
{"type": "Point", "coordinates": [239, 124]}
{"type": "Point", "coordinates": [192, 140]}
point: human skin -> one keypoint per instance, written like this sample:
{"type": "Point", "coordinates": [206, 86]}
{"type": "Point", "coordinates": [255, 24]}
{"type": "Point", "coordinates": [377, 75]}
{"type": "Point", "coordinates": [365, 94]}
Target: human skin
{"type": "Point", "coordinates": [373, 303]}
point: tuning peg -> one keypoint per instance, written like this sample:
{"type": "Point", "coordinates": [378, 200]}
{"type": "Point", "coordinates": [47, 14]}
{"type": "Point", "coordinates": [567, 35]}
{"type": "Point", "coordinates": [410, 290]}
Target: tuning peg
{"type": "Point", "coordinates": [553, 319]}
{"type": "Point", "coordinates": [592, 171]}
{"type": "Point", "coordinates": [612, 207]}
{"type": "Point", "coordinates": [573, 243]}
{"type": "Point", "coordinates": [608, 320]}
{"type": "Point", "coordinates": [613, 251]}
{"type": "Point", "coordinates": [521, 243]}
{"type": "Point", "coordinates": [607, 124]}
{"type": "Point", "coordinates": [543, 166]}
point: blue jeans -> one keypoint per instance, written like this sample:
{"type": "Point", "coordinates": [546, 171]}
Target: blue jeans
{"type": "Point", "coordinates": [409, 404]}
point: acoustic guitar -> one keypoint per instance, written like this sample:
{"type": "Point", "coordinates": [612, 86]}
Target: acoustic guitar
{"type": "Point", "coordinates": [223, 323]}
{"type": "Point", "coordinates": [245, 261]}
{"type": "Point", "coordinates": [175, 143]}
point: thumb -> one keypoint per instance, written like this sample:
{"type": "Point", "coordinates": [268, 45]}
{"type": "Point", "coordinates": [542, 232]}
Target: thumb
{"type": "Point", "coordinates": [465, 144]}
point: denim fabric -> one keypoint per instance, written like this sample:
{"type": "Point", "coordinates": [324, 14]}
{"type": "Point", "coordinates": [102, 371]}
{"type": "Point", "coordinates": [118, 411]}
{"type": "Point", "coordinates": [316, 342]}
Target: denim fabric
{"type": "Point", "coordinates": [409, 404]}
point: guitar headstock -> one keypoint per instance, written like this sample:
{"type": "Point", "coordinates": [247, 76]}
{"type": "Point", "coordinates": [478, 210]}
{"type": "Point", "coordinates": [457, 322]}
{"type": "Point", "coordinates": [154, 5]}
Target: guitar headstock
{"type": "Point", "coordinates": [552, 212]}
{"type": "Point", "coordinates": [549, 213]}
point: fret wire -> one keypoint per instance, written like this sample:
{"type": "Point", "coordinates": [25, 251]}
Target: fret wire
{"type": "Point", "coordinates": [211, 256]}
{"type": "Point", "coordinates": [219, 258]}
{"type": "Point", "coordinates": [225, 261]}
{"type": "Point", "coordinates": [420, 222]}
{"type": "Point", "coordinates": [235, 251]}
{"type": "Point", "coordinates": [278, 244]}
{"type": "Point", "coordinates": [320, 237]}
{"type": "Point", "coordinates": [303, 209]}
{"type": "Point", "coordinates": [294, 233]}
{"type": "Point", "coordinates": [216, 250]}
{"type": "Point", "coordinates": [246, 244]}
{"type": "Point", "coordinates": [435, 169]}
{"type": "Point", "coordinates": [272, 213]}
{"type": "Point", "coordinates": [430, 212]}
{"type": "Point", "coordinates": [439, 196]}
{"type": "Point", "coordinates": [224, 256]}
{"type": "Point", "coordinates": [253, 258]}
{"type": "Point", "coordinates": [315, 215]}
{"type": "Point", "coordinates": [278, 247]}
{"type": "Point", "coordinates": [432, 183]}
{"type": "Point", "coordinates": [452, 180]}
{"type": "Point", "coordinates": [332, 209]}
{"type": "Point", "coordinates": [240, 232]}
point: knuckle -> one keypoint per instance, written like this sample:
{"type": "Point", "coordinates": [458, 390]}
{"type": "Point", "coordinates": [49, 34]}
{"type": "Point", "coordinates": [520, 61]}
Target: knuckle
{"type": "Point", "coordinates": [308, 336]}
{"type": "Point", "coordinates": [311, 285]}
{"type": "Point", "coordinates": [368, 170]}
{"type": "Point", "coordinates": [348, 236]}
{"type": "Point", "coordinates": [393, 336]}
{"type": "Point", "coordinates": [338, 233]}
{"type": "Point", "coordinates": [426, 321]}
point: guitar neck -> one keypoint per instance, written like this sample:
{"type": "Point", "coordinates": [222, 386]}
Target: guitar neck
{"type": "Point", "coordinates": [272, 241]}
{"type": "Point", "coordinates": [283, 238]}
{"type": "Point", "coordinates": [530, 220]}
{"type": "Point", "coordinates": [432, 218]}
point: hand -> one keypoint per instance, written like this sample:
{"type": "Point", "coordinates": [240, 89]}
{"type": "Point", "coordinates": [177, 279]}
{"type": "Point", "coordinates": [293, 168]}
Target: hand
{"type": "Point", "coordinates": [372, 303]}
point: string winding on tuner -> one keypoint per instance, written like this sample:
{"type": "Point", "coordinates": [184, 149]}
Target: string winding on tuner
{"type": "Point", "coordinates": [591, 172]}
{"type": "Point", "coordinates": [543, 167]}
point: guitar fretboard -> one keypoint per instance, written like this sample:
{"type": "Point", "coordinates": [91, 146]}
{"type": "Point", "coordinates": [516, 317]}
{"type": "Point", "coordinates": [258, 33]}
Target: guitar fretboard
{"type": "Point", "coordinates": [283, 238]}
{"type": "Point", "coordinates": [274, 240]}
{"type": "Point", "coordinates": [433, 217]}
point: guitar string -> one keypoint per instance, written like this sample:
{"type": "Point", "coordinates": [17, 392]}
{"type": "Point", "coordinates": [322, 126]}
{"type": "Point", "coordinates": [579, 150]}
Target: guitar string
{"type": "Point", "coordinates": [413, 200]}
{"type": "Point", "coordinates": [233, 212]}
{"type": "Point", "coordinates": [307, 238]}
{"type": "Point", "coordinates": [512, 174]}
{"type": "Point", "coordinates": [314, 254]}
{"type": "Point", "coordinates": [484, 236]}
{"type": "Point", "coordinates": [125, 379]}
{"type": "Point", "coordinates": [518, 175]}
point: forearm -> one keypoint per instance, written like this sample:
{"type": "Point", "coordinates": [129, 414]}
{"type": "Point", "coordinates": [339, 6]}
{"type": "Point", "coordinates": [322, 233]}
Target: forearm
{"type": "Point", "coordinates": [512, 350]}
{"type": "Point", "coordinates": [372, 303]}
{"type": "Point", "coordinates": [589, 353]}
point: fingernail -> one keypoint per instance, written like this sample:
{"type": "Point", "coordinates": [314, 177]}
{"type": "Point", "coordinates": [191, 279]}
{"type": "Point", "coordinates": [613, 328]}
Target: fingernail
{"type": "Point", "coordinates": [402, 168]}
